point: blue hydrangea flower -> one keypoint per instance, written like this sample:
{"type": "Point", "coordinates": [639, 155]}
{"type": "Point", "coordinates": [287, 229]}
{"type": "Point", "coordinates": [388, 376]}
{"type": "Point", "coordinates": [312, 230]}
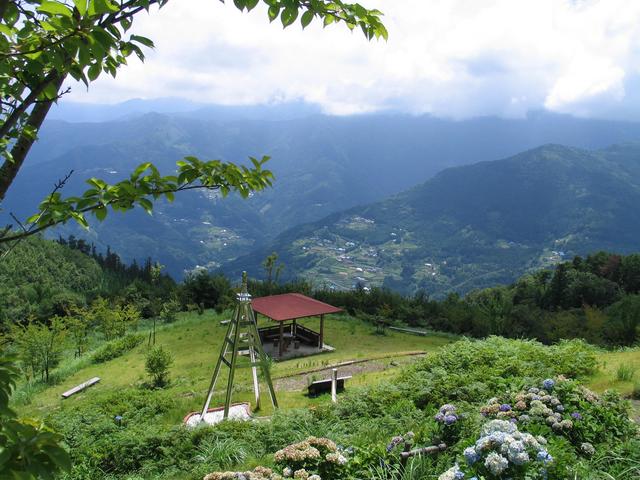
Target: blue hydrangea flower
{"type": "Point", "coordinates": [450, 419]}
{"type": "Point", "coordinates": [560, 408]}
{"type": "Point", "coordinates": [576, 416]}
{"type": "Point", "coordinates": [505, 407]}
{"type": "Point", "coordinates": [470, 455]}
{"type": "Point", "coordinates": [548, 384]}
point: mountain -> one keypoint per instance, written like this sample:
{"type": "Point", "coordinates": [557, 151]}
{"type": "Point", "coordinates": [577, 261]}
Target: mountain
{"type": "Point", "coordinates": [473, 226]}
{"type": "Point", "coordinates": [322, 165]}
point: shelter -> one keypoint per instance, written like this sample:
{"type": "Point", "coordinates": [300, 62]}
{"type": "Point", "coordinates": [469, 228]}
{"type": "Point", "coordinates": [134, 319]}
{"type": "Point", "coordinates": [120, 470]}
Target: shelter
{"type": "Point", "coordinates": [285, 310]}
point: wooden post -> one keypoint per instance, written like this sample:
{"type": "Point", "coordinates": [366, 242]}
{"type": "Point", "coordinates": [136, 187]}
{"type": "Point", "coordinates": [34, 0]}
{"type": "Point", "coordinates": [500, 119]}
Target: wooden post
{"type": "Point", "coordinates": [321, 339]}
{"type": "Point", "coordinates": [281, 347]}
{"type": "Point", "coordinates": [334, 385]}
{"type": "Point", "coordinates": [295, 328]}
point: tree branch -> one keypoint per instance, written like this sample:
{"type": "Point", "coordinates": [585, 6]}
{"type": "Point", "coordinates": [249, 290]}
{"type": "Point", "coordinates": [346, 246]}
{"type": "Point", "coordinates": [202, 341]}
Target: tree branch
{"type": "Point", "coordinates": [27, 102]}
{"type": "Point", "coordinates": [10, 169]}
{"type": "Point", "coordinates": [34, 231]}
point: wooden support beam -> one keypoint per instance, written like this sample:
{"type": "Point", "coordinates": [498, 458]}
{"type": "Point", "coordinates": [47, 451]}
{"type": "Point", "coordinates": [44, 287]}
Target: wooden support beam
{"type": "Point", "coordinates": [281, 342]}
{"type": "Point", "coordinates": [321, 338]}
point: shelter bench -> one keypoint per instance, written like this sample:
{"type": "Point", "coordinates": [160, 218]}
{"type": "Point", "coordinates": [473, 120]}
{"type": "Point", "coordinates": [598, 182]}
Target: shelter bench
{"type": "Point", "coordinates": [82, 386]}
{"type": "Point", "coordinates": [324, 386]}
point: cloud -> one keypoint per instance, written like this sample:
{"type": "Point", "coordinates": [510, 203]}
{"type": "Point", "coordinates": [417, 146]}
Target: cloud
{"type": "Point", "coordinates": [455, 58]}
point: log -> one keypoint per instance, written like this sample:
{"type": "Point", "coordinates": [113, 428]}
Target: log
{"type": "Point", "coordinates": [82, 386]}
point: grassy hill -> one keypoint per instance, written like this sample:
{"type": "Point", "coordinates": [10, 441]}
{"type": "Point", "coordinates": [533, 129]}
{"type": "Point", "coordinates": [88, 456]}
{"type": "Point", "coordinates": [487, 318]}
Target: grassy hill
{"type": "Point", "coordinates": [149, 442]}
{"type": "Point", "coordinates": [195, 342]}
{"type": "Point", "coordinates": [474, 226]}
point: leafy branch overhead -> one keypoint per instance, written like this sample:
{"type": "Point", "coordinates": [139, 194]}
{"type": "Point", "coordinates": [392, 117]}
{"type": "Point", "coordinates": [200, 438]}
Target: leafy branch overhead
{"type": "Point", "coordinates": [144, 185]}
{"type": "Point", "coordinates": [43, 42]}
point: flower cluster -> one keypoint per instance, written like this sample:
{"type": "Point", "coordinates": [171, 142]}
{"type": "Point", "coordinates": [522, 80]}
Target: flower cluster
{"type": "Point", "coordinates": [397, 440]}
{"type": "Point", "coordinates": [311, 459]}
{"type": "Point", "coordinates": [534, 402]}
{"type": "Point", "coordinates": [454, 473]}
{"type": "Point", "coordinates": [259, 473]}
{"type": "Point", "coordinates": [447, 414]}
{"type": "Point", "coordinates": [502, 449]}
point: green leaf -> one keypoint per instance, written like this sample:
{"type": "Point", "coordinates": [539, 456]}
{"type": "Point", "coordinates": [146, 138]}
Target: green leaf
{"type": "Point", "coordinates": [100, 212]}
{"type": "Point", "coordinates": [306, 18]}
{"type": "Point", "coordinates": [250, 4]}
{"type": "Point", "coordinates": [94, 71]}
{"type": "Point", "coordinates": [273, 13]}
{"type": "Point", "coordinates": [103, 6]}
{"type": "Point", "coordinates": [142, 40]}
{"type": "Point", "coordinates": [81, 5]}
{"type": "Point", "coordinates": [146, 204]}
{"type": "Point", "coordinates": [55, 8]}
{"type": "Point", "coordinates": [289, 16]}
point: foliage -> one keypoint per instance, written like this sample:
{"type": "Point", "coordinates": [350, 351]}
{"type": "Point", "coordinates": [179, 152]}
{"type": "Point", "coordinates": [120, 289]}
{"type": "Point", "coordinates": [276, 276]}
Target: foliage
{"type": "Point", "coordinates": [40, 346]}
{"type": "Point", "coordinates": [206, 291]}
{"type": "Point", "coordinates": [29, 449]}
{"type": "Point", "coordinates": [116, 348]}
{"type": "Point", "coordinates": [157, 363]}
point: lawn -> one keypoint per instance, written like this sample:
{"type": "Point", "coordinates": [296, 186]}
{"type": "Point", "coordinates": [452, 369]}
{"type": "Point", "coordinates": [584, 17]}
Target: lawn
{"type": "Point", "coordinates": [195, 340]}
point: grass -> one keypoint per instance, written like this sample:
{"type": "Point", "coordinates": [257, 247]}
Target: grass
{"type": "Point", "coordinates": [195, 341]}
{"type": "Point", "coordinates": [617, 371]}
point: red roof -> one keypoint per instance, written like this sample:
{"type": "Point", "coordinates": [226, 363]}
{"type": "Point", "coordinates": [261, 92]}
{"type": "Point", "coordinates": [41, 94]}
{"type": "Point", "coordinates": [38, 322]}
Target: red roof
{"type": "Point", "coordinates": [291, 305]}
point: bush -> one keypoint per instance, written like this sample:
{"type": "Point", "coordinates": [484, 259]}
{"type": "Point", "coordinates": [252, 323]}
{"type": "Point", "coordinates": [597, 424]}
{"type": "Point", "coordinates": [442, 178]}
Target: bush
{"type": "Point", "coordinates": [116, 348]}
{"type": "Point", "coordinates": [625, 373]}
{"type": "Point", "coordinates": [157, 365]}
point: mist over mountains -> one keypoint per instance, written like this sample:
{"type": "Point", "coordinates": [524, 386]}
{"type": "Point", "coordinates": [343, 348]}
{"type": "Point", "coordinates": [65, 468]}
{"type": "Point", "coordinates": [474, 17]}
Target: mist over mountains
{"type": "Point", "coordinates": [323, 165]}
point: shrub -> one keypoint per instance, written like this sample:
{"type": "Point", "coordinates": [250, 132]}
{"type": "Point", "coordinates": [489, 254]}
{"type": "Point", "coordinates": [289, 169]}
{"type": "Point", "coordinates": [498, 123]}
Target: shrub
{"type": "Point", "coordinates": [157, 365]}
{"type": "Point", "coordinates": [116, 348]}
{"type": "Point", "coordinates": [625, 373]}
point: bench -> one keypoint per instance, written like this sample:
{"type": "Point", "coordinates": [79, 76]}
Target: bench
{"type": "Point", "coordinates": [324, 386]}
{"type": "Point", "coordinates": [81, 387]}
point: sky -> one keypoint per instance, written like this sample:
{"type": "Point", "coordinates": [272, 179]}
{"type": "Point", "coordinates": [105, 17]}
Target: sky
{"type": "Point", "coordinates": [448, 58]}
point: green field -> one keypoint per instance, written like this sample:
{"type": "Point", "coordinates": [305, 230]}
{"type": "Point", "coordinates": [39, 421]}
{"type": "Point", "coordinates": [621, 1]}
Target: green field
{"type": "Point", "coordinates": [195, 342]}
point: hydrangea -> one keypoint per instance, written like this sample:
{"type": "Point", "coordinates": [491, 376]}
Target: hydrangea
{"type": "Point", "coordinates": [576, 416]}
{"type": "Point", "coordinates": [454, 473]}
{"type": "Point", "coordinates": [315, 477]}
{"type": "Point", "coordinates": [496, 463]}
{"type": "Point", "coordinates": [587, 449]}
{"type": "Point", "coordinates": [470, 455]}
{"type": "Point", "coordinates": [287, 472]}
{"type": "Point", "coordinates": [447, 414]}
{"type": "Point", "coordinates": [548, 384]}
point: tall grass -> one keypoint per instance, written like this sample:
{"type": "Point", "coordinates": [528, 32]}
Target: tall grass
{"type": "Point", "coordinates": [625, 372]}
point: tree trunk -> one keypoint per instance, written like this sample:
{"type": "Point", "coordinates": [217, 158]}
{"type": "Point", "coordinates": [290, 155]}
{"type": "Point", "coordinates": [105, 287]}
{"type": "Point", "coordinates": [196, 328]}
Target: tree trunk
{"type": "Point", "coordinates": [19, 152]}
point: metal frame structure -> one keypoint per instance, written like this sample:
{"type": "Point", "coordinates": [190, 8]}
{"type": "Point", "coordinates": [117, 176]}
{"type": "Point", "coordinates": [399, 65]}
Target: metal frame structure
{"type": "Point", "coordinates": [241, 339]}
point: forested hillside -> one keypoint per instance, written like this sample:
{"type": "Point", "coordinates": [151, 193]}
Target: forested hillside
{"type": "Point", "coordinates": [473, 226]}
{"type": "Point", "coordinates": [42, 278]}
{"type": "Point", "coordinates": [322, 165]}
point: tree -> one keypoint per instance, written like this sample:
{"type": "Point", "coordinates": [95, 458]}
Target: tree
{"type": "Point", "coordinates": [42, 42]}
{"type": "Point", "coordinates": [40, 346]}
{"type": "Point", "coordinates": [157, 365]}
{"type": "Point", "coordinates": [78, 327]}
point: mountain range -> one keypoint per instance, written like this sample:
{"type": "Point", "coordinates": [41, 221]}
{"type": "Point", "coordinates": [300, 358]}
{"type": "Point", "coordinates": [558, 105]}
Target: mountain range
{"type": "Point", "coordinates": [474, 226]}
{"type": "Point", "coordinates": [322, 164]}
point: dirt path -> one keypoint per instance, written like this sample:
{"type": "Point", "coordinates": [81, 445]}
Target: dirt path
{"type": "Point", "coordinates": [301, 381]}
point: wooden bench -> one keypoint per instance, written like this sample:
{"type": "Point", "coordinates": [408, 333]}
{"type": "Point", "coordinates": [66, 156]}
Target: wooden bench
{"type": "Point", "coordinates": [81, 387]}
{"type": "Point", "coordinates": [324, 386]}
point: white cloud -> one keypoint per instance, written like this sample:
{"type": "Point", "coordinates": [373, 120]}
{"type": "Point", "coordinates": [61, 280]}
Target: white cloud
{"type": "Point", "coordinates": [448, 57]}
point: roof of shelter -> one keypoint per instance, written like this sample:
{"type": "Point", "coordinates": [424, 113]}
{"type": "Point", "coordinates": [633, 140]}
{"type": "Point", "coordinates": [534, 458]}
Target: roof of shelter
{"type": "Point", "coordinates": [291, 305]}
